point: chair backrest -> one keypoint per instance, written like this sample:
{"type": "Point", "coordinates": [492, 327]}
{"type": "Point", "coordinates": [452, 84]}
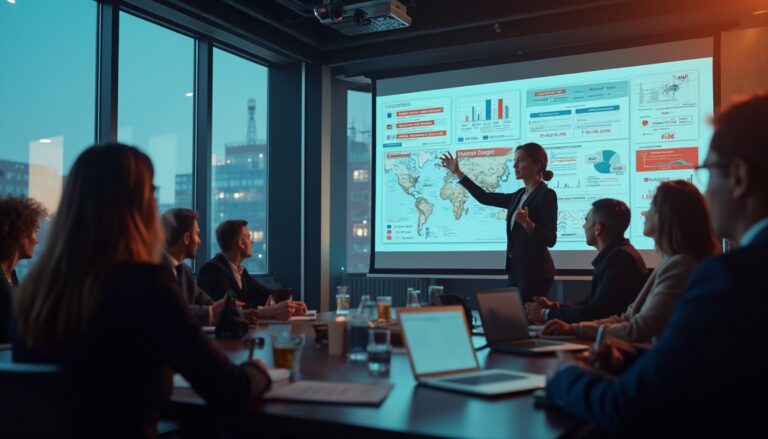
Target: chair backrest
{"type": "Point", "coordinates": [35, 400]}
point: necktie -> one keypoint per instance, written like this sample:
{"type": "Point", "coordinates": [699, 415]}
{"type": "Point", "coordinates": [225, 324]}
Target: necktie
{"type": "Point", "coordinates": [180, 276]}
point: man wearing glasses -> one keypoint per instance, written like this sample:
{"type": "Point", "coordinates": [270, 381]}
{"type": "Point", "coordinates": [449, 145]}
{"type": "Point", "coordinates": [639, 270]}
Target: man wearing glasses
{"type": "Point", "coordinates": [708, 373]}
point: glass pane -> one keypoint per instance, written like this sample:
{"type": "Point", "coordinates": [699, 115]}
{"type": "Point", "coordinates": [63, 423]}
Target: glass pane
{"type": "Point", "coordinates": [358, 181]}
{"type": "Point", "coordinates": [155, 104]}
{"type": "Point", "coordinates": [47, 97]}
{"type": "Point", "coordinates": [240, 151]}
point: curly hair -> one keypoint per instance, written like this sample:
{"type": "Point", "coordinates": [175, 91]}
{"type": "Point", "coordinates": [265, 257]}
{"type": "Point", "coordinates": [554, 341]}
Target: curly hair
{"type": "Point", "coordinates": [19, 218]}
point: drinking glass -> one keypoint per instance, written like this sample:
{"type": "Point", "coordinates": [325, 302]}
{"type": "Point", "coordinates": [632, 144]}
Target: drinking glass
{"type": "Point", "coordinates": [379, 351]}
{"type": "Point", "coordinates": [342, 300]}
{"type": "Point", "coordinates": [358, 325]}
{"type": "Point", "coordinates": [384, 308]}
{"type": "Point", "coordinates": [435, 293]}
{"type": "Point", "coordinates": [286, 351]}
{"type": "Point", "coordinates": [413, 299]}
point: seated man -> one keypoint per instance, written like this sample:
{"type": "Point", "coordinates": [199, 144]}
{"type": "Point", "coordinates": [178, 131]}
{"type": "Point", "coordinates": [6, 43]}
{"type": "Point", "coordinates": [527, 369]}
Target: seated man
{"type": "Point", "coordinates": [182, 237]}
{"type": "Point", "coordinates": [225, 272]}
{"type": "Point", "coordinates": [619, 270]}
{"type": "Point", "coordinates": [706, 375]}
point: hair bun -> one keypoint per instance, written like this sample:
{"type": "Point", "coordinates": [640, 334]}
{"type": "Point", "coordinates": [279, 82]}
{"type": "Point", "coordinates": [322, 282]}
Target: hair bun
{"type": "Point", "coordinates": [547, 175]}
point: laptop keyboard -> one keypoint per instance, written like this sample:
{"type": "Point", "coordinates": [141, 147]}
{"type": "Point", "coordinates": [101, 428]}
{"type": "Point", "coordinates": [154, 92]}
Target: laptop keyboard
{"type": "Point", "coordinates": [482, 379]}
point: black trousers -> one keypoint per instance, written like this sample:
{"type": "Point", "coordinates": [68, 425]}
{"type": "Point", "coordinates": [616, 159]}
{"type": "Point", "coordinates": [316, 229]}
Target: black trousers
{"type": "Point", "coordinates": [529, 288]}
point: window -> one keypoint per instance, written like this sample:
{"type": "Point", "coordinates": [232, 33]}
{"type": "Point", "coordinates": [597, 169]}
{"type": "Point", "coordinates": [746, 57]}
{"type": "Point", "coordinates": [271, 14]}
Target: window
{"type": "Point", "coordinates": [358, 180]}
{"type": "Point", "coordinates": [240, 150]}
{"type": "Point", "coordinates": [155, 104]}
{"type": "Point", "coordinates": [360, 175]}
{"type": "Point", "coordinates": [47, 85]}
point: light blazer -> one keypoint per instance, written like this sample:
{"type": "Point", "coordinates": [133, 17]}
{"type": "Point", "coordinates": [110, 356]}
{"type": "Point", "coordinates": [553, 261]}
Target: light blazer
{"type": "Point", "coordinates": [647, 316]}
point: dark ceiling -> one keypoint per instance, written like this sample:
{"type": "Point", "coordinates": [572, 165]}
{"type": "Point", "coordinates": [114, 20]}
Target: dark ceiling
{"type": "Point", "coordinates": [448, 33]}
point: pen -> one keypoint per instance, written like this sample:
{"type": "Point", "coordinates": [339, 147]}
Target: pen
{"type": "Point", "coordinates": [599, 338]}
{"type": "Point", "coordinates": [251, 346]}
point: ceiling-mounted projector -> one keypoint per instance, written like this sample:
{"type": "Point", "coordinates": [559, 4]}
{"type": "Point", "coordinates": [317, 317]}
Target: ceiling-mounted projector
{"type": "Point", "coordinates": [363, 17]}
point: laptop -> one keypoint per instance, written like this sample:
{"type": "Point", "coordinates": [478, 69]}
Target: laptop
{"type": "Point", "coordinates": [506, 325]}
{"type": "Point", "coordinates": [442, 355]}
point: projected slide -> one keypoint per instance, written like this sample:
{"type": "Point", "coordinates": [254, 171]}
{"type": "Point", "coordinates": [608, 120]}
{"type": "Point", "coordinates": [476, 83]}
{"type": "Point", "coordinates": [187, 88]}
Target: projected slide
{"type": "Point", "coordinates": [612, 132]}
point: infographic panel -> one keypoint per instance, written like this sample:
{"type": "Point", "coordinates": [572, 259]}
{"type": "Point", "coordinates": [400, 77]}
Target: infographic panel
{"type": "Point", "coordinates": [582, 113]}
{"type": "Point", "coordinates": [424, 203]}
{"type": "Point", "coordinates": [667, 107]}
{"type": "Point", "coordinates": [488, 117]}
{"type": "Point", "coordinates": [424, 122]}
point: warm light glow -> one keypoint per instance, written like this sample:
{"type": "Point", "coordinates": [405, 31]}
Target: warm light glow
{"type": "Point", "coordinates": [45, 140]}
{"type": "Point", "coordinates": [762, 11]}
{"type": "Point", "coordinates": [13, 2]}
{"type": "Point", "coordinates": [236, 195]}
{"type": "Point", "coordinates": [189, 94]}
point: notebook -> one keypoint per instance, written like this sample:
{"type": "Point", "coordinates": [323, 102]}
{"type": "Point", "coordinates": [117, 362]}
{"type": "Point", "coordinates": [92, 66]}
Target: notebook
{"type": "Point", "coordinates": [506, 325]}
{"type": "Point", "coordinates": [442, 355]}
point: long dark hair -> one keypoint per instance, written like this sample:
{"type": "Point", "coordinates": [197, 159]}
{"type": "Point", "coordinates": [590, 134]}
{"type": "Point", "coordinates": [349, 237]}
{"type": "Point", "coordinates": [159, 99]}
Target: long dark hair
{"type": "Point", "coordinates": [538, 155]}
{"type": "Point", "coordinates": [107, 215]}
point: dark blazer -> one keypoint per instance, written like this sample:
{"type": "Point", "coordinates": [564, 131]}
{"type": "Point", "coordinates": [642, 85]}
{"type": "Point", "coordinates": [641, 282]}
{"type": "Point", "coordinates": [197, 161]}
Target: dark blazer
{"type": "Point", "coordinates": [708, 373]}
{"type": "Point", "coordinates": [619, 275]}
{"type": "Point", "coordinates": [6, 305]}
{"type": "Point", "coordinates": [527, 253]}
{"type": "Point", "coordinates": [215, 277]}
{"type": "Point", "coordinates": [199, 302]}
{"type": "Point", "coordinates": [121, 368]}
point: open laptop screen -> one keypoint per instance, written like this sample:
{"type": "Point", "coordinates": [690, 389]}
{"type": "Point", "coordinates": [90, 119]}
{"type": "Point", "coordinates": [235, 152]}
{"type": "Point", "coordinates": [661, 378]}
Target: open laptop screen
{"type": "Point", "coordinates": [438, 341]}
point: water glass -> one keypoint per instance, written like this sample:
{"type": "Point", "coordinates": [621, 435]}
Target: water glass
{"type": "Point", "coordinates": [435, 293]}
{"type": "Point", "coordinates": [379, 351]}
{"type": "Point", "coordinates": [343, 300]}
{"type": "Point", "coordinates": [413, 299]}
{"type": "Point", "coordinates": [384, 308]}
{"type": "Point", "coordinates": [357, 335]}
{"type": "Point", "coordinates": [286, 351]}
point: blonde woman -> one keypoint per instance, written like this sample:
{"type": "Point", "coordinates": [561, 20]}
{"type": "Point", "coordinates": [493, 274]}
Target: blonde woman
{"type": "Point", "coordinates": [680, 224]}
{"type": "Point", "coordinates": [98, 304]}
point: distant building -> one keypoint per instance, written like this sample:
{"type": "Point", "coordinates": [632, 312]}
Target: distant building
{"type": "Point", "coordinates": [358, 200]}
{"type": "Point", "coordinates": [14, 178]}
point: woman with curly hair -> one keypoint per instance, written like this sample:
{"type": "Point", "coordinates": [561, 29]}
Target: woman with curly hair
{"type": "Point", "coordinates": [19, 220]}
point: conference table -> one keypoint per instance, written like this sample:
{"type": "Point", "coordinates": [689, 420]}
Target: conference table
{"type": "Point", "coordinates": [409, 410]}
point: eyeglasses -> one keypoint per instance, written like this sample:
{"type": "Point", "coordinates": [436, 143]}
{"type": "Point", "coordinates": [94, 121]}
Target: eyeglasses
{"type": "Point", "coordinates": [703, 171]}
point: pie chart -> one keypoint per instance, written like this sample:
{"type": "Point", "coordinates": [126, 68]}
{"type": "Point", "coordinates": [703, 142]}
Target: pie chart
{"type": "Point", "coordinates": [607, 159]}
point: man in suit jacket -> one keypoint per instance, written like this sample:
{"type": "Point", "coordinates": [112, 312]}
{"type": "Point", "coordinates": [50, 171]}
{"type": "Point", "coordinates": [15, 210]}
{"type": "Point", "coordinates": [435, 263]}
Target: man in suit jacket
{"type": "Point", "coordinates": [225, 272]}
{"type": "Point", "coordinates": [182, 238]}
{"type": "Point", "coordinates": [708, 373]}
{"type": "Point", "coordinates": [619, 274]}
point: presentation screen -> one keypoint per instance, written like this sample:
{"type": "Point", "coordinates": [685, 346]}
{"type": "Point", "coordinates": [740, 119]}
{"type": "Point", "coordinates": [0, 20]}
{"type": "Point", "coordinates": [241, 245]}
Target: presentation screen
{"type": "Point", "coordinates": [614, 124]}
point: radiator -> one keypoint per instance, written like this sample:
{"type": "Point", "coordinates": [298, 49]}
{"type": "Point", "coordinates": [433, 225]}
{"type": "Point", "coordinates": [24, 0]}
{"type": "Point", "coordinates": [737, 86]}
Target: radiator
{"type": "Point", "coordinates": [383, 286]}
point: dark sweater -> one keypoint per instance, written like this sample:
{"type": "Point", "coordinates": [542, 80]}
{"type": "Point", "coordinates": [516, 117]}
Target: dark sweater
{"type": "Point", "coordinates": [121, 369]}
{"type": "Point", "coordinates": [619, 275]}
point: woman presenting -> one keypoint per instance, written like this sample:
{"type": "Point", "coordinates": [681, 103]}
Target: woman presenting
{"type": "Point", "coordinates": [531, 219]}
